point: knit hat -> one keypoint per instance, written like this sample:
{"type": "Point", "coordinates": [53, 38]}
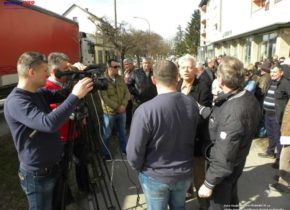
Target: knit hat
{"type": "Point", "coordinates": [266, 66]}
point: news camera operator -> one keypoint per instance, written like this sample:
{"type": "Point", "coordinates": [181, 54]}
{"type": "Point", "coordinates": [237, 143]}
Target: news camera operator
{"type": "Point", "coordinates": [57, 64]}
{"type": "Point", "coordinates": [34, 127]}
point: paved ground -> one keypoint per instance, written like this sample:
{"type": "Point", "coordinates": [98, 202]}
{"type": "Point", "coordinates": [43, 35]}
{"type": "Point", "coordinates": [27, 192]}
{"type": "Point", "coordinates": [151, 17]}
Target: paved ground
{"type": "Point", "coordinates": [253, 186]}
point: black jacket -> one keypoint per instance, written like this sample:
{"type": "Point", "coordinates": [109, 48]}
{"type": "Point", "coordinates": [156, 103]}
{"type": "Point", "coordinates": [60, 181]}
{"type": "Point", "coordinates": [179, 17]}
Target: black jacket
{"type": "Point", "coordinates": [232, 125]}
{"type": "Point", "coordinates": [206, 79]}
{"type": "Point", "coordinates": [201, 93]}
{"type": "Point", "coordinates": [282, 95]}
{"type": "Point", "coordinates": [141, 86]}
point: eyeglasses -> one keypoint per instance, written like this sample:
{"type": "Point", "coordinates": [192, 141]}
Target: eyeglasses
{"type": "Point", "coordinates": [115, 67]}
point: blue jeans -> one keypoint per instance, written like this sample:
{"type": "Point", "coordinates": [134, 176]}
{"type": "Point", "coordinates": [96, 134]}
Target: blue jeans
{"type": "Point", "coordinates": [273, 133]}
{"type": "Point", "coordinates": [108, 122]}
{"type": "Point", "coordinates": [38, 188]}
{"type": "Point", "coordinates": [159, 195]}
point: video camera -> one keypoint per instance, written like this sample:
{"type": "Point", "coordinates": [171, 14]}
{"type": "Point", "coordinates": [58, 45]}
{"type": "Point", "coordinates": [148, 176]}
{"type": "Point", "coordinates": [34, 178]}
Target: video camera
{"type": "Point", "coordinates": [93, 71]}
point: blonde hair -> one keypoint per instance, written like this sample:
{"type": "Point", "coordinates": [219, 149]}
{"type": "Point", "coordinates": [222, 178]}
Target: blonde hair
{"type": "Point", "coordinates": [232, 72]}
{"type": "Point", "coordinates": [29, 60]}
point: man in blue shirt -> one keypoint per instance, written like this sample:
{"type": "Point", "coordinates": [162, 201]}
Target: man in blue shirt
{"type": "Point", "coordinates": [161, 141]}
{"type": "Point", "coordinates": [34, 127]}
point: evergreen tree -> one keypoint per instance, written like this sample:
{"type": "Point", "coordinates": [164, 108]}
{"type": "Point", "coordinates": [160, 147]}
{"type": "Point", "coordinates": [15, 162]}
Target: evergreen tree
{"type": "Point", "coordinates": [192, 33]}
{"type": "Point", "coordinates": [179, 47]}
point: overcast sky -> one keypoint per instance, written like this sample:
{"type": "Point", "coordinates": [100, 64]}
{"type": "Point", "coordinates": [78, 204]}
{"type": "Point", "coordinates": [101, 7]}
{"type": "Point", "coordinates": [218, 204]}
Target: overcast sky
{"type": "Point", "coordinates": [163, 15]}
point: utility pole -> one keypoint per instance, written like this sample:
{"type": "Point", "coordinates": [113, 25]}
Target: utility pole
{"type": "Point", "coordinates": [115, 13]}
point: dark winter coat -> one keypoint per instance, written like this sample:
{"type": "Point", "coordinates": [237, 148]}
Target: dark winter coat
{"type": "Point", "coordinates": [141, 86]}
{"type": "Point", "coordinates": [201, 93]}
{"type": "Point", "coordinates": [232, 125]}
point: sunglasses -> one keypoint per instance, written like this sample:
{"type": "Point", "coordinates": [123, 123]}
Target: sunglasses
{"type": "Point", "coordinates": [115, 67]}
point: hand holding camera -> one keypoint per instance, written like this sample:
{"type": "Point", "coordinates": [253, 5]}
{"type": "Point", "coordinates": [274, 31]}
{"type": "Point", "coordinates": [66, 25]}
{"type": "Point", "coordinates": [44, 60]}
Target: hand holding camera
{"type": "Point", "coordinates": [83, 86]}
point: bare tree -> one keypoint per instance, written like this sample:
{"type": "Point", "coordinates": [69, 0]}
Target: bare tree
{"type": "Point", "coordinates": [128, 41]}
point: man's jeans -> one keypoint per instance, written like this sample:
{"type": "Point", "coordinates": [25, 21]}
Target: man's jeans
{"type": "Point", "coordinates": [38, 188]}
{"type": "Point", "coordinates": [159, 195]}
{"type": "Point", "coordinates": [273, 132]}
{"type": "Point", "coordinates": [108, 122]}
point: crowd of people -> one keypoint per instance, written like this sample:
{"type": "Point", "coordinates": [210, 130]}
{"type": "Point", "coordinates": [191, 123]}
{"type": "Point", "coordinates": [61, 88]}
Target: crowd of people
{"type": "Point", "coordinates": [185, 126]}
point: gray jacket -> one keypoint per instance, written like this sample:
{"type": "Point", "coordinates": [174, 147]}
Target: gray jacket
{"type": "Point", "coordinates": [232, 125]}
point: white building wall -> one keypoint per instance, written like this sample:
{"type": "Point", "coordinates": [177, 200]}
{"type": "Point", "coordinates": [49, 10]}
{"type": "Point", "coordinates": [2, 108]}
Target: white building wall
{"type": "Point", "coordinates": [85, 25]}
{"type": "Point", "coordinates": [237, 17]}
{"type": "Point", "coordinates": [213, 23]}
{"type": "Point", "coordinates": [230, 25]}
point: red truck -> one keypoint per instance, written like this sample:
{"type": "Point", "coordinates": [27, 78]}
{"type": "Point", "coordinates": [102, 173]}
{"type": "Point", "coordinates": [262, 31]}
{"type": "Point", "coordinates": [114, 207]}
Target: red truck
{"type": "Point", "coordinates": [24, 27]}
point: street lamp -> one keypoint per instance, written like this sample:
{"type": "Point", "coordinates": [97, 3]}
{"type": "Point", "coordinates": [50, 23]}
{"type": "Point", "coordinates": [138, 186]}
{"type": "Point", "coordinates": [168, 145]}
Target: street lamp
{"type": "Point", "coordinates": [146, 22]}
{"type": "Point", "coordinates": [149, 40]}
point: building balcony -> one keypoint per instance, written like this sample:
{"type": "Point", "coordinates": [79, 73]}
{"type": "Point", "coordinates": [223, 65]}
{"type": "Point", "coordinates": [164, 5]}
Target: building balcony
{"type": "Point", "coordinates": [203, 8]}
{"type": "Point", "coordinates": [260, 3]}
{"type": "Point", "coordinates": [203, 33]}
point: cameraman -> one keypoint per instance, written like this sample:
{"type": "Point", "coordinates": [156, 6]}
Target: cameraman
{"type": "Point", "coordinates": [34, 127]}
{"type": "Point", "coordinates": [58, 63]}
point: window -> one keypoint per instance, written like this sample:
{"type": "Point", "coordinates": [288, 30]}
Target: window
{"type": "Point", "coordinates": [267, 48]}
{"type": "Point", "coordinates": [247, 50]}
{"type": "Point", "coordinates": [91, 48]}
{"type": "Point", "coordinates": [233, 50]}
{"type": "Point", "coordinates": [100, 56]}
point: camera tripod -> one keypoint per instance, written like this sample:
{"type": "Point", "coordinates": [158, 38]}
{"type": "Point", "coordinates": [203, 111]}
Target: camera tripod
{"type": "Point", "coordinates": [94, 177]}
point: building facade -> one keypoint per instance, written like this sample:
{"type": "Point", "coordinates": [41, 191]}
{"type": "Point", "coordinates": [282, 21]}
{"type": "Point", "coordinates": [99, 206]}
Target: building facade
{"type": "Point", "coordinates": [251, 30]}
{"type": "Point", "coordinates": [93, 48]}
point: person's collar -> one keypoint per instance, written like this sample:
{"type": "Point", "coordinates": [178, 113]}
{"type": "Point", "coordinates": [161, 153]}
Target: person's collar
{"type": "Point", "coordinates": [226, 96]}
{"type": "Point", "coordinates": [52, 79]}
{"type": "Point", "coordinates": [163, 89]}
{"type": "Point", "coordinates": [128, 71]}
{"type": "Point", "coordinates": [187, 83]}
{"type": "Point", "coordinates": [113, 78]}
{"type": "Point", "coordinates": [23, 85]}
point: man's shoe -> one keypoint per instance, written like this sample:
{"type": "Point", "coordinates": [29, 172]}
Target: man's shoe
{"type": "Point", "coordinates": [277, 187]}
{"type": "Point", "coordinates": [266, 155]}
